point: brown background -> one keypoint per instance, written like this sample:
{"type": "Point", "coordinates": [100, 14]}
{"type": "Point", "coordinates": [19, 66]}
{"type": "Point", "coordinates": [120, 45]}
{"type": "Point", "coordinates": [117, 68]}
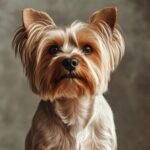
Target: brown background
{"type": "Point", "coordinates": [129, 90]}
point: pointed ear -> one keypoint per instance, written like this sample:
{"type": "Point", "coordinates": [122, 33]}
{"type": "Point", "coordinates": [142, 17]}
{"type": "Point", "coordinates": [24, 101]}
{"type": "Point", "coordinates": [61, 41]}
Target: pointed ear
{"type": "Point", "coordinates": [108, 15]}
{"type": "Point", "coordinates": [31, 16]}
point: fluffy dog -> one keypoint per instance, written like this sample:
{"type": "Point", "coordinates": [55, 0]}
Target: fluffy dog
{"type": "Point", "coordinates": [69, 68]}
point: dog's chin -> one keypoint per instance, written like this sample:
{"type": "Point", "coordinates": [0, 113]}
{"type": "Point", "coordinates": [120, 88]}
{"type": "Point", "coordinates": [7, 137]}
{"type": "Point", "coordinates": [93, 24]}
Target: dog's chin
{"type": "Point", "coordinates": [70, 77]}
{"type": "Point", "coordinates": [70, 86]}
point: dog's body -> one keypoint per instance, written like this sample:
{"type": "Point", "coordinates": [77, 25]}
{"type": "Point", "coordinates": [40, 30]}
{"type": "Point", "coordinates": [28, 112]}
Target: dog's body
{"type": "Point", "coordinates": [91, 126]}
{"type": "Point", "coordinates": [69, 68]}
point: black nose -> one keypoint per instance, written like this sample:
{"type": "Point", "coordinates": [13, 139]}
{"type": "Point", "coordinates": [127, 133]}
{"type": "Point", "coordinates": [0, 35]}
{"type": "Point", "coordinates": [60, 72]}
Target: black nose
{"type": "Point", "coordinates": [70, 63]}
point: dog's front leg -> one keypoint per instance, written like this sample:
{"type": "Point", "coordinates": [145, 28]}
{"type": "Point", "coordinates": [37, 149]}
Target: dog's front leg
{"type": "Point", "coordinates": [48, 132]}
{"type": "Point", "coordinates": [100, 133]}
{"type": "Point", "coordinates": [100, 138]}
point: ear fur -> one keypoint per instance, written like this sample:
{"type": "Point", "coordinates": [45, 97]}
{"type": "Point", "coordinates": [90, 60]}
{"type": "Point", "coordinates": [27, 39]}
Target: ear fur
{"type": "Point", "coordinates": [105, 20]}
{"type": "Point", "coordinates": [31, 16]}
{"type": "Point", "coordinates": [26, 37]}
{"type": "Point", "coordinates": [107, 15]}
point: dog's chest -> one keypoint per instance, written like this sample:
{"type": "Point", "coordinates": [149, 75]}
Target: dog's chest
{"type": "Point", "coordinates": [81, 138]}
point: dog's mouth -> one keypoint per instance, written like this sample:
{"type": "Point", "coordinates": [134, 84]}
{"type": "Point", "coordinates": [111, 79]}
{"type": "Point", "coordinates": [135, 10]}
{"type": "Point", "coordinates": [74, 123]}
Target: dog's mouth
{"type": "Point", "coordinates": [69, 76]}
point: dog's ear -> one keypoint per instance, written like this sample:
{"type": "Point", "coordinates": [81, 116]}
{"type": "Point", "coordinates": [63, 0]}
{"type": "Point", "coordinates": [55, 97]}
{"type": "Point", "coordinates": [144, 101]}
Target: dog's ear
{"type": "Point", "coordinates": [31, 16]}
{"type": "Point", "coordinates": [107, 15]}
{"type": "Point", "coordinates": [105, 20]}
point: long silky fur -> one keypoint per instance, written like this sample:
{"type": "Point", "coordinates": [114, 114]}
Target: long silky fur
{"type": "Point", "coordinates": [25, 45]}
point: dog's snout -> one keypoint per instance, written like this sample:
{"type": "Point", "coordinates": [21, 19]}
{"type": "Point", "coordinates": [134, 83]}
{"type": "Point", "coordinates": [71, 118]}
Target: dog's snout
{"type": "Point", "coordinates": [70, 64]}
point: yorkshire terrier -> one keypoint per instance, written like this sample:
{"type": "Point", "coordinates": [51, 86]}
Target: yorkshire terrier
{"type": "Point", "coordinates": [69, 68]}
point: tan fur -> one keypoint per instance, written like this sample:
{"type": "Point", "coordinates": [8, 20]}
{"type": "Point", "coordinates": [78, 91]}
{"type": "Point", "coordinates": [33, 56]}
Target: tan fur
{"type": "Point", "coordinates": [73, 114]}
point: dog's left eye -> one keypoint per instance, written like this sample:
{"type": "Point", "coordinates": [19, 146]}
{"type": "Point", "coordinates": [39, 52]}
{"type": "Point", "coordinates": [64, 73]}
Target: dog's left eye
{"type": "Point", "coordinates": [53, 49]}
{"type": "Point", "coordinates": [87, 49]}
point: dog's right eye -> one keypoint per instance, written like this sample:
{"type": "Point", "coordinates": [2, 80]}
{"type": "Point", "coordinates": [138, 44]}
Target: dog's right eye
{"type": "Point", "coordinates": [53, 49]}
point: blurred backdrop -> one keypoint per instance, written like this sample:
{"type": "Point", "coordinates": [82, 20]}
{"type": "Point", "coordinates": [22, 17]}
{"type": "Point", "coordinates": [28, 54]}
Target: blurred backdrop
{"type": "Point", "coordinates": [129, 89]}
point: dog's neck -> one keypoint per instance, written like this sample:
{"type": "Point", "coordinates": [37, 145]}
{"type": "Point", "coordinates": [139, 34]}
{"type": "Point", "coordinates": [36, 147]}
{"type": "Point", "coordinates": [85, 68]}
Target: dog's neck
{"type": "Point", "coordinates": [75, 113]}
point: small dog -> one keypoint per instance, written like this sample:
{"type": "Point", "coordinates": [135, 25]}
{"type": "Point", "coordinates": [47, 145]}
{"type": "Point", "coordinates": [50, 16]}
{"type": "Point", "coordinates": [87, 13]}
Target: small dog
{"type": "Point", "coordinates": [69, 68]}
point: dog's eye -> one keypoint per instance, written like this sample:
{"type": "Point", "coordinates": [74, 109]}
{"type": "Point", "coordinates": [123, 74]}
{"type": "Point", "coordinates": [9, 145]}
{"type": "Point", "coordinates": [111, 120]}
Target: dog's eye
{"type": "Point", "coordinates": [87, 49]}
{"type": "Point", "coordinates": [53, 49]}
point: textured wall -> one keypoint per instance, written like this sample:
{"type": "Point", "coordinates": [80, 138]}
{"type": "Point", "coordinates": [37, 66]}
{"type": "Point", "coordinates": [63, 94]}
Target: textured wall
{"type": "Point", "coordinates": [129, 90]}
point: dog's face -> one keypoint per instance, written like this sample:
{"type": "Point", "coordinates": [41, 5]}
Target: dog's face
{"type": "Point", "coordinates": [72, 61]}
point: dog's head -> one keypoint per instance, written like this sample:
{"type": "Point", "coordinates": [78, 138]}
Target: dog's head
{"type": "Point", "coordinates": [71, 61]}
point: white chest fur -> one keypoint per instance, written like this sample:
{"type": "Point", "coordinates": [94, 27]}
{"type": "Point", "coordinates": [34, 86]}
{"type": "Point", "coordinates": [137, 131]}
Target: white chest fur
{"type": "Point", "coordinates": [91, 122]}
{"type": "Point", "coordinates": [99, 134]}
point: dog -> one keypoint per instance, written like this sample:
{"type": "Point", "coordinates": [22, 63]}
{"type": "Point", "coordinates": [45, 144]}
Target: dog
{"type": "Point", "coordinates": [69, 68]}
